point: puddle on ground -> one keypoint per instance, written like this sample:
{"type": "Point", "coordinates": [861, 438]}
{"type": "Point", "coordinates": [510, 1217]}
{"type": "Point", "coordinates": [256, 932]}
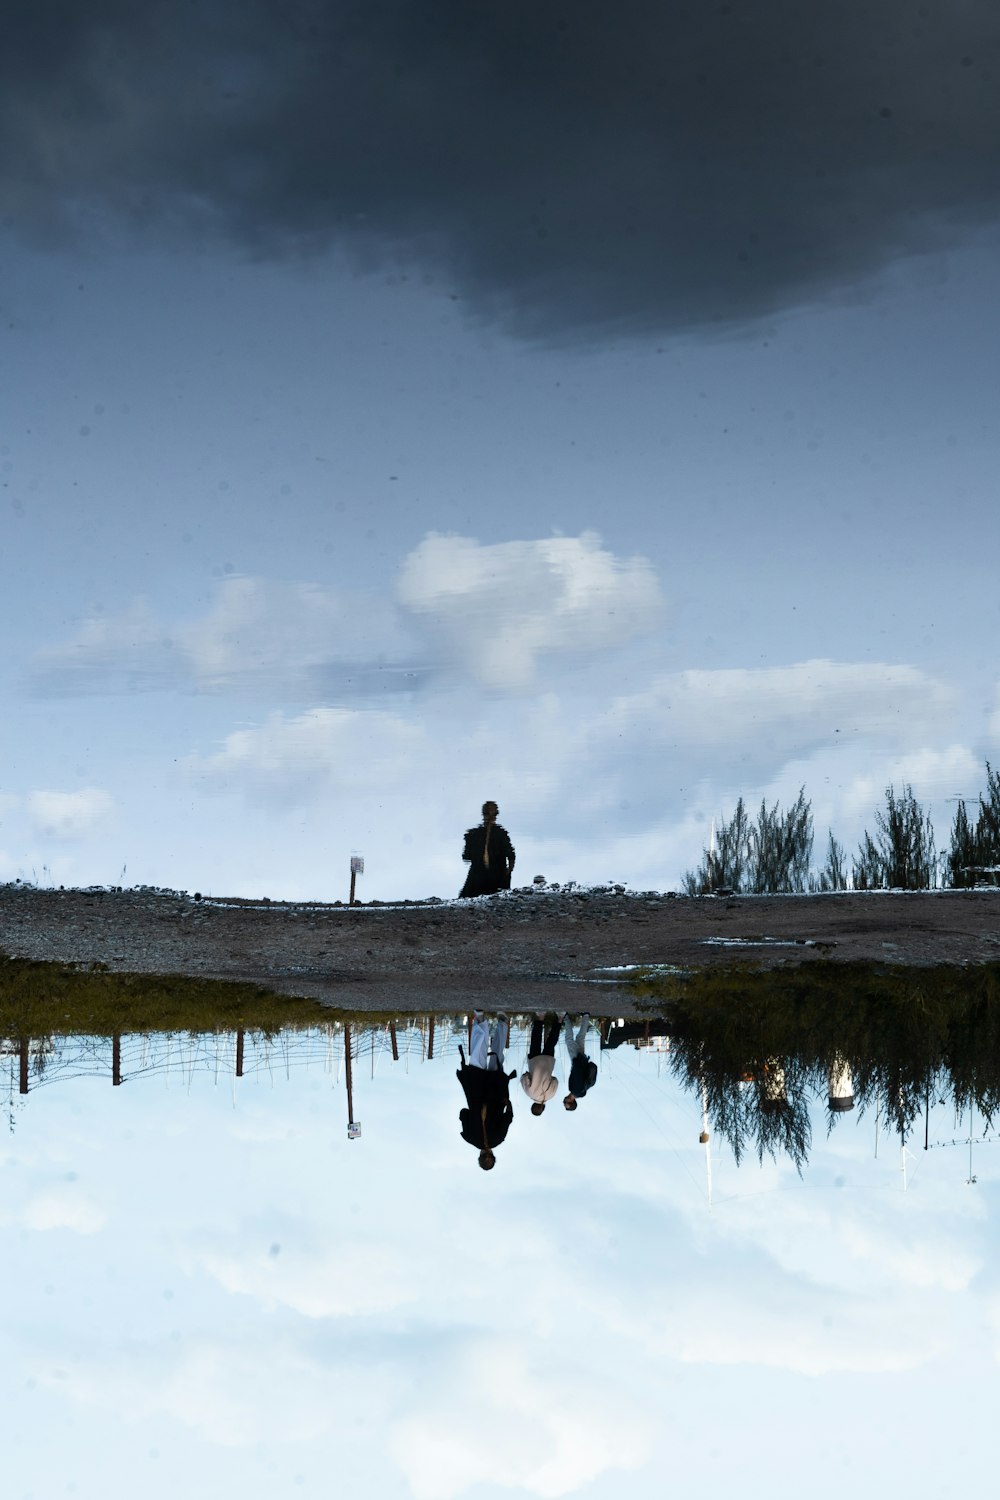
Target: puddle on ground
{"type": "Point", "coordinates": [212, 1288]}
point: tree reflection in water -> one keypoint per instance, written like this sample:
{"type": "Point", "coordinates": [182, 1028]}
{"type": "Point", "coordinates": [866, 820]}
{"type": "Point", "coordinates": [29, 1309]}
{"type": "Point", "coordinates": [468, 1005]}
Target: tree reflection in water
{"type": "Point", "coordinates": [757, 1051]}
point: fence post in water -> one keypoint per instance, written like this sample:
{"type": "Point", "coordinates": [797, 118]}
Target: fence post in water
{"type": "Point", "coordinates": [116, 1059]}
{"type": "Point", "coordinates": [23, 1070]}
{"type": "Point", "coordinates": [353, 1128]}
{"type": "Point", "coordinates": [239, 1054]}
{"type": "Point", "coordinates": [430, 1037]}
{"type": "Point", "coordinates": [395, 1044]}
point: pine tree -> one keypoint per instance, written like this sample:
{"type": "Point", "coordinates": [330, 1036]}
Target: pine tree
{"type": "Point", "coordinates": [723, 867]}
{"type": "Point", "coordinates": [867, 866]}
{"type": "Point", "coordinates": [781, 847]}
{"type": "Point", "coordinates": [903, 855]}
{"type": "Point", "coordinates": [833, 876]}
{"type": "Point", "coordinates": [770, 855]}
{"type": "Point", "coordinates": [988, 823]}
{"type": "Point", "coordinates": [962, 854]}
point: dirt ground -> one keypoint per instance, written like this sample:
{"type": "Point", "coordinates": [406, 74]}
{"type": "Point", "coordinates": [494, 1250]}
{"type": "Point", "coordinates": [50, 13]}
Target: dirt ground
{"type": "Point", "coordinates": [522, 950]}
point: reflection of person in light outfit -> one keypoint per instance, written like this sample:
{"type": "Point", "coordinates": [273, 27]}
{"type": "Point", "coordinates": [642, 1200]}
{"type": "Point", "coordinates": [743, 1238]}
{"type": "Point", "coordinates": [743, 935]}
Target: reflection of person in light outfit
{"type": "Point", "coordinates": [486, 1087]}
{"type": "Point", "coordinates": [582, 1072]}
{"type": "Point", "coordinates": [487, 1042]}
{"type": "Point", "coordinates": [538, 1082]}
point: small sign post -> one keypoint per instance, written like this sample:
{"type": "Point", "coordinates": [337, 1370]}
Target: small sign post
{"type": "Point", "coordinates": [357, 868]}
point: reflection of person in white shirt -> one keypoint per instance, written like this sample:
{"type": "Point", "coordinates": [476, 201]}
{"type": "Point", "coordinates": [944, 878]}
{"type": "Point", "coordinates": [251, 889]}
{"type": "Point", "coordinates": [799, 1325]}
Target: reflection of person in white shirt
{"type": "Point", "coordinates": [538, 1082]}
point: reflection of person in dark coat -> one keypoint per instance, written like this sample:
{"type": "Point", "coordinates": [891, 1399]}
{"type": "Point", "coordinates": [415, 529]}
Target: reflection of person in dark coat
{"type": "Point", "coordinates": [487, 1089]}
{"type": "Point", "coordinates": [582, 1072]}
{"type": "Point", "coordinates": [489, 854]}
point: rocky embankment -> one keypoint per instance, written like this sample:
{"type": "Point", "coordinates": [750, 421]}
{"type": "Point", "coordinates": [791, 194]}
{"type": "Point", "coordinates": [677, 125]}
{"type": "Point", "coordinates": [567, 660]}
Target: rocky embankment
{"type": "Point", "coordinates": [523, 949]}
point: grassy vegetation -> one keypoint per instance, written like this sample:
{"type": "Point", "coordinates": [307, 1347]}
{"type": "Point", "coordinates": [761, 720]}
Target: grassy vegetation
{"type": "Point", "coordinates": [774, 853]}
{"type": "Point", "coordinates": [48, 999]}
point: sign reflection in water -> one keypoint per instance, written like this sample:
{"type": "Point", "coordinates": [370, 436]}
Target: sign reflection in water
{"type": "Point", "coordinates": [216, 1289]}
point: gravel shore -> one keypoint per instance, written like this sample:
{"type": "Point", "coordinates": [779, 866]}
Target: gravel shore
{"type": "Point", "coordinates": [523, 949]}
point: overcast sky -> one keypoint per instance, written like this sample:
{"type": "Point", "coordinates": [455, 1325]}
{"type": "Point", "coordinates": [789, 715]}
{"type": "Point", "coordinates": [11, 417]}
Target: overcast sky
{"type": "Point", "coordinates": [212, 1291]}
{"type": "Point", "coordinates": [405, 405]}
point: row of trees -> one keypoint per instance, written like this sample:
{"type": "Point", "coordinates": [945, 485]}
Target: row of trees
{"type": "Point", "coordinates": [759, 1050]}
{"type": "Point", "coordinates": [773, 852]}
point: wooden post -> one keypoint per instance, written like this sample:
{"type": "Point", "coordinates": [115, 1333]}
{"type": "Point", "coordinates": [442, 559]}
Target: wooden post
{"type": "Point", "coordinates": [23, 1070]}
{"type": "Point", "coordinates": [239, 1053]}
{"type": "Point", "coordinates": [430, 1037]}
{"type": "Point", "coordinates": [357, 868]}
{"type": "Point", "coordinates": [350, 1081]}
{"type": "Point", "coordinates": [395, 1044]}
{"type": "Point", "coordinates": [116, 1059]}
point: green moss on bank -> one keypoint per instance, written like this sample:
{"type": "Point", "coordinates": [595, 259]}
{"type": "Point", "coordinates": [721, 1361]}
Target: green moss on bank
{"type": "Point", "coordinates": [822, 982]}
{"type": "Point", "coordinates": [49, 999]}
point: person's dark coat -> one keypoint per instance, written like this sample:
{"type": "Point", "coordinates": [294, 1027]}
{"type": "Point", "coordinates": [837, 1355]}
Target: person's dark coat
{"type": "Point", "coordinates": [486, 876]}
{"type": "Point", "coordinates": [489, 1087]}
{"type": "Point", "coordinates": [582, 1076]}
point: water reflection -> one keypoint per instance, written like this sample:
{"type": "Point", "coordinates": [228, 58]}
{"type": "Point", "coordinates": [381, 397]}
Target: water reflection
{"type": "Point", "coordinates": [757, 1074]}
{"type": "Point", "coordinates": [214, 1287]}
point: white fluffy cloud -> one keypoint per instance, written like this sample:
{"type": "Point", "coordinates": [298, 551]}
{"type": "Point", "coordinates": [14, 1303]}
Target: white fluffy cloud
{"type": "Point", "coordinates": [649, 761]}
{"type": "Point", "coordinates": [293, 758]}
{"type": "Point", "coordinates": [51, 1206]}
{"type": "Point", "coordinates": [69, 815]}
{"type": "Point", "coordinates": [497, 611]}
{"type": "Point", "coordinates": [788, 1328]}
{"type": "Point", "coordinates": [493, 612]}
{"type": "Point", "coordinates": [260, 628]}
{"type": "Point", "coordinates": [556, 1449]}
{"type": "Point", "coordinates": [860, 1245]}
{"type": "Point", "coordinates": [259, 635]}
{"type": "Point", "coordinates": [353, 1279]}
{"type": "Point", "coordinates": [227, 1392]}
{"type": "Point", "coordinates": [648, 771]}
{"type": "Point", "coordinates": [692, 741]}
{"type": "Point", "coordinates": [994, 725]}
{"type": "Point", "coordinates": [785, 709]}
{"type": "Point", "coordinates": [933, 774]}
{"type": "Point", "coordinates": [64, 1208]}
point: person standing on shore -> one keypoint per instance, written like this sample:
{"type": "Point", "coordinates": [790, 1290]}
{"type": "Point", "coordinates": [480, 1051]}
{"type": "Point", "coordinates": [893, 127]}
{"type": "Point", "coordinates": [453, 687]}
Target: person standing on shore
{"type": "Point", "coordinates": [486, 1087]}
{"type": "Point", "coordinates": [582, 1072]}
{"type": "Point", "coordinates": [489, 854]}
{"type": "Point", "coordinates": [538, 1082]}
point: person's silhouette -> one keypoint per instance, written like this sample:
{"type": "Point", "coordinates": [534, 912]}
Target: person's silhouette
{"type": "Point", "coordinates": [582, 1072]}
{"type": "Point", "coordinates": [486, 1086]}
{"type": "Point", "coordinates": [489, 854]}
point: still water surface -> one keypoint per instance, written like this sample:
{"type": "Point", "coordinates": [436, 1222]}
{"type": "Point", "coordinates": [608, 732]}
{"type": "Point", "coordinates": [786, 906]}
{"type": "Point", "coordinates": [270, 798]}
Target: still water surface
{"type": "Point", "coordinates": [211, 1289]}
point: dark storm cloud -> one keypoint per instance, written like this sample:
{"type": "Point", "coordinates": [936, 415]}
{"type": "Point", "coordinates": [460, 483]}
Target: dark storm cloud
{"type": "Point", "coordinates": [571, 166]}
